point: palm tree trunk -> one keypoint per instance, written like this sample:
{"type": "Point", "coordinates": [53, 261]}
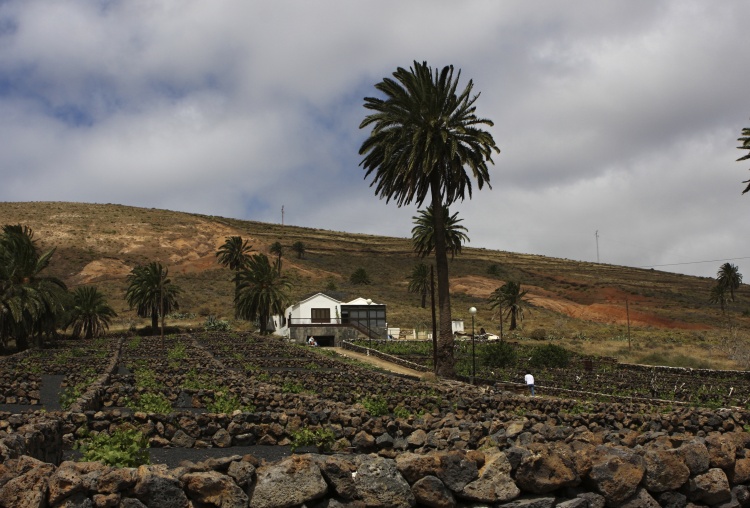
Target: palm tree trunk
{"type": "Point", "coordinates": [512, 319]}
{"type": "Point", "coordinates": [445, 359]}
{"type": "Point", "coordinates": [154, 320]}
{"type": "Point", "coordinates": [424, 297]}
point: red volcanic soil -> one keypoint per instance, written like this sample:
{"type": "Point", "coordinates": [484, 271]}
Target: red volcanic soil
{"type": "Point", "coordinates": [610, 308]}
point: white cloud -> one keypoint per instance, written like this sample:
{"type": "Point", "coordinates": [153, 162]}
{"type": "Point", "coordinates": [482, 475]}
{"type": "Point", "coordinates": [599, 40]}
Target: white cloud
{"type": "Point", "coordinates": [616, 117]}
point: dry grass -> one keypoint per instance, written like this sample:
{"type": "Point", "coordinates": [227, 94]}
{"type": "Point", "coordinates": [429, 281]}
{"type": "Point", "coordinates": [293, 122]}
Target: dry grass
{"type": "Point", "coordinates": [580, 304]}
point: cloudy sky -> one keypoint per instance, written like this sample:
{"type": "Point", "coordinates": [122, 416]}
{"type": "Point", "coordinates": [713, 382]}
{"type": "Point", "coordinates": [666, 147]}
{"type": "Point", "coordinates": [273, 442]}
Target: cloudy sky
{"type": "Point", "coordinates": [614, 117]}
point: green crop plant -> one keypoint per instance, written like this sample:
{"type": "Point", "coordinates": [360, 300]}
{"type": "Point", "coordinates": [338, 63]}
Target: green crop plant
{"type": "Point", "coordinates": [322, 438]}
{"type": "Point", "coordinates": [376, 406]}
{"type": "Point", "coordinates": [121, 448]}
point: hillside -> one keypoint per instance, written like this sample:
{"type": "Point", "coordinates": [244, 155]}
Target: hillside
{"type": "Point", "coordinates": [100, 244]}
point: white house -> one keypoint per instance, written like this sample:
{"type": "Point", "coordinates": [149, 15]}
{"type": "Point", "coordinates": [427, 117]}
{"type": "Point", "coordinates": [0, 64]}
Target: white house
{"type": "Point", "coordinates": [330, 321]}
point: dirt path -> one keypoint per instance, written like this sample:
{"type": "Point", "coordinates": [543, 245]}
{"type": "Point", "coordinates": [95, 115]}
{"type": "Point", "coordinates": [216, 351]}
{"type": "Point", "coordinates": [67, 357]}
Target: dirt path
{"type": "Point", "coordinates": [378, 362]}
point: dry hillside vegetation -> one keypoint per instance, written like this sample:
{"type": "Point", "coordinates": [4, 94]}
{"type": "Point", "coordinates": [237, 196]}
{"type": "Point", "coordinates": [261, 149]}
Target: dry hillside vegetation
{"type": "Point", "coordinates": [578, 301]}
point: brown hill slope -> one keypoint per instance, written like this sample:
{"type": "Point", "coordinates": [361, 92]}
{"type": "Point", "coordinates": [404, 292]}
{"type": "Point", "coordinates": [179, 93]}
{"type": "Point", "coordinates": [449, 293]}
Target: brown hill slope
{"type": "Point", "coordinates": [99, 244]}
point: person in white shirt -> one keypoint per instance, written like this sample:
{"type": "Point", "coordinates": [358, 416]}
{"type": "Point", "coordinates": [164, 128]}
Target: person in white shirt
{"type": "Point", "coordinates": [529, 382]}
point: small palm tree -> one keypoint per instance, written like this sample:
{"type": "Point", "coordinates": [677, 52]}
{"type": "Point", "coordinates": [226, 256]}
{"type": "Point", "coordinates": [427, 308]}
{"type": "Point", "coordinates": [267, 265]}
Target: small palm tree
{"type": "Point", "coordinates": [278, 249]}
{"type": "Point", "coordinates": [510, 297]}
{"type": "Point", "coordinates": [359, 277]}
{"type": "Point", "coordinates": [422, 234]}
{"type": "Point", "coordinates": [729, 278]}
{"type": "Point", "coordinates": [90, 315]}
{"type": "Point", "coordinates": [151, 292]}
{"type": "Point", "coordinates": [263, 291]}
{"type": "Point", "coordinates": [419, 281]}
{"type": "Point", "coordinates": [298, 247]}
{"type": "Point", "coordinates": [234, 255]}
{"type": "Point", "coordinates": [745, 140]}
{"type": "Point", "coordinates": [718, 296]}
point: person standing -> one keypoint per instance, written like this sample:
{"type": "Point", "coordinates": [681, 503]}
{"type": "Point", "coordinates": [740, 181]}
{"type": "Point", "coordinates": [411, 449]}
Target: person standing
{"type": "Point", "coordinates": [529, 382]}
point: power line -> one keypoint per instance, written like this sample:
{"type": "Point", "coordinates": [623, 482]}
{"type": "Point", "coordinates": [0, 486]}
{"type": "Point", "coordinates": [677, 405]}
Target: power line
{"type": "Point", "coordinates": [694, 262]}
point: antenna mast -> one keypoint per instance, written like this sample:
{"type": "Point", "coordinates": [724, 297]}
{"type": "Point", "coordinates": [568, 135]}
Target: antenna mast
{"type": "Point", "coordinates": [597, 245]}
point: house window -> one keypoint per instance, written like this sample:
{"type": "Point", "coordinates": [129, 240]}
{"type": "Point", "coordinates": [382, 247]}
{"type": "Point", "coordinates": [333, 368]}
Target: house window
{"type": "Point", "coordinates": [320, 315]}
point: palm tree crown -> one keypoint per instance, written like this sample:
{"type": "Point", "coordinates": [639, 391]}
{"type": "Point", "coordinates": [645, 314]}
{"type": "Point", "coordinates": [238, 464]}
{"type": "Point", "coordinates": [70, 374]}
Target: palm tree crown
{"type": "Point", "coordinates": [729, 278]}
{"type": "Point", "coordinates": [151, 292]}
{"type": "Point", "coordinates": [234, 254]}
{"type": "Point", "coordinates": [427, 139]}
{"type": "Point", "coordinates": [263, 291]}
{"type": "Point", "coordinates": [745, 140]}
{"type": "Point", "coordinates": [510, 297]}
{"type": "Point", "coordinates": [419, 281]}
{"type": "Point", "coordinates": [278, 249]}
{"type": "Point", "coordinates": [90, 315]}
{"type": "Point", "coordinates": [30, 303]}
{"type": "Point", "coordinates": [423, 237]}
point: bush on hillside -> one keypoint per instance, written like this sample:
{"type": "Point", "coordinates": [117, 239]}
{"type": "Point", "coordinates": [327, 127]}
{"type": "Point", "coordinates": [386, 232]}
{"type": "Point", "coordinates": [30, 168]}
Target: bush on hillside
{"type": "Point", "coordinates": [551, 356]}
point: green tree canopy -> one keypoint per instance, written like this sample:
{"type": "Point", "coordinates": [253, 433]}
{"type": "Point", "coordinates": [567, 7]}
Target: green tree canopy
{"type": "Point", "coordinates": [419, 281]}
{"type": "Point", "coordinates": [745, 140]}
{"type": "Point", "coordinates": [90, 315]}
{"type": "Point", "coordinates": [423, 232]}
{"type": "Point", "coordinates": [277, 249]}
{"type": "Point", "coordinates": [360, 277]}
{"type": "Point", "coordinates": [427, 141]}
{"type": "Point", "coordinates": [31, 304]}
{"type": "Point", "coordinates": [263, 292]}
{"type": "Point", "coordinates": [729, 278]}
{"type": "Point", "coordinates": [151, 292]}
{"type": "Point", "coordinates": [299, 248]}
{"type": "Point", "coordinates": [234, 254]}
{"type": "Point", "coordinates": [510, 298]}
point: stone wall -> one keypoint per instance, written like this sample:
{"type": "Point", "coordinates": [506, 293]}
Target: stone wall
{"type": "Point", "coordinates": [586, 469]}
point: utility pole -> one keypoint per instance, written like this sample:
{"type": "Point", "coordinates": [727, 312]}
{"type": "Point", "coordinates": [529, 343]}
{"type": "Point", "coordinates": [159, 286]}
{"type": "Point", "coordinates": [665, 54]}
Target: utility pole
{"type": "Point", "coordinates": [282, 215]}
{"type": "Point", "coordinates": [597, 245]}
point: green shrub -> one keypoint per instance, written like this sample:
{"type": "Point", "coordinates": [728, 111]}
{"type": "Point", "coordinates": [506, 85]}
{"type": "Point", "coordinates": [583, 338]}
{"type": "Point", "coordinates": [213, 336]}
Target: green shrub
{"type": "Point", "coordinates": [150, 402]}
{"type": "Point", "coordinates": [401, 412]}
{"type": "Point", "coordinates": [213, 324]}
{"type": "Point", "coordinates": [498, 354]}
{"type": "Point", "coordinates": [146, 378]}
{"type": "Point", "coordinates": [551, 356]}
{"type": "Point", "coordinates": [321, 438]}
{"type": "Point", "coordinates": [178, 352]}
{"type": "Point", "coordinates": [376, 406]}
{"type": "Point", "coordinates": [538, 334]}
{"type": "Point", "coordinates": [122, 448]}
{"type": "Point", "coordinates": [227, 403]}
{"type": "Point", "coordinates": [360, 277]}
{"type": "Point", "coordinates": [69, 395]}
{"type": "Point", "coordinates": [292, 387]}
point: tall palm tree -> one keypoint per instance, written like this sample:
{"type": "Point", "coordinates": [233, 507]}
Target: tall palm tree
{"type": "Point", "coordinates": [264, 292]}
{"type": "Point", "coordinates": [31, 304]}
{"type": "Point", "coordinates": [510, 297]}
{"type": "Point", "coordinates": [425, 136]}
{"type": "Point", "coordinates": [299, 248]}
{"type": "Point", "coordinates": [278, 249]}
{"type": "Point", "coordinates": [234, 254]}
{"type": "Point", "coordinates": [90, 315]}
{"type": "Point", "coordinates": [422, 234]}
{"type": "Point", "coordinates": [419, 281]}
{"type": "Point", "coordinates": [729, 278]}
{"type": "Point", "coordinates": [745, 140]}
{"type": "Point", "coordinates": [151, 292]}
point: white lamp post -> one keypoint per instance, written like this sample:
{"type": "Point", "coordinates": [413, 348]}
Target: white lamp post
{"type": "Point", "coordinates": [473, 311]}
